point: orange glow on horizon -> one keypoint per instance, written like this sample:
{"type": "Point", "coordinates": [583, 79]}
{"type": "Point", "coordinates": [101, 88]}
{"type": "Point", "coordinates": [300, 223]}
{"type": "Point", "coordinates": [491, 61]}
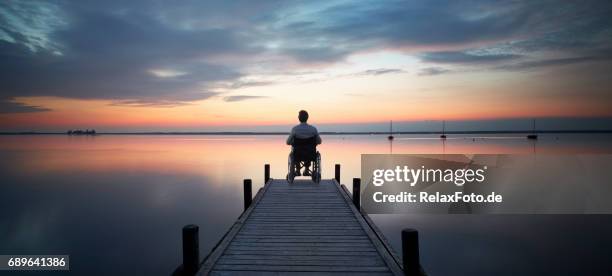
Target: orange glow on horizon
{"type": "Point", "coordinates": [282, 110]}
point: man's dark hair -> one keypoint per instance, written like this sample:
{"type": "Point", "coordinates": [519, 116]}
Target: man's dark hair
{"type": "Point", "coordinates": [303, 116]}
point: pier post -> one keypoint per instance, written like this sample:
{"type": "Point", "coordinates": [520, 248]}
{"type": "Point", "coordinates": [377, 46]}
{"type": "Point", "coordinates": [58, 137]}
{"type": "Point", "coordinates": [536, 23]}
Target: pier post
{"type": "Point", "coordinates": [337, 173]}
{"type": "Point", "coordinates": [248, 193]}
{"type": "Point", "coordinates": [410, 252]}
{"type": "Point", "coordinates": [357, 192]}
{"type": "Point", "coordinates": [191, 249]}
{"type": "Point", "coordinates": [266, 173]}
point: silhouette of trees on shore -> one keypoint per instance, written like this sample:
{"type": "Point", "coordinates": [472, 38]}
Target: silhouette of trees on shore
{"type": "Point", "coordinates": [81, 132]}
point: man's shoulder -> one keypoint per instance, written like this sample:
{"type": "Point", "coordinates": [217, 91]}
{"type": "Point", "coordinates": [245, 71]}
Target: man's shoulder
{"type": "Point", "coordinates": [305, 128]}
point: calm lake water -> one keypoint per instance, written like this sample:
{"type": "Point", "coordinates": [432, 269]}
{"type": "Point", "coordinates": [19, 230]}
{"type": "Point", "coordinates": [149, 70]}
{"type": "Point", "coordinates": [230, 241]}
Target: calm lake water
{"type": "Point", "coordinates": [116, 203]}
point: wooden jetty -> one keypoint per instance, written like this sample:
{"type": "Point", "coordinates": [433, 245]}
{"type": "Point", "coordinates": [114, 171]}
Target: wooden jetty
{"type": "Point", "coordinates": [301, 228]}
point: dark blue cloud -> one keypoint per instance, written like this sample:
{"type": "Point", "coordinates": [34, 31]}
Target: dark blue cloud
{"type": "Point", "coordinates": [10, 106]}
{"type": "Point", "coordinates": [530, 65]}
{"type": "Point", "coordinates": [463, 57]}
{"type": "Point", "coordinates": [245, 84]}
{"type": "Point", "coordinates": [421, 23]}
{"type": "Point", "coordinates": [433, 71]}
{"type": "Point", "coordinates": [381, 71]}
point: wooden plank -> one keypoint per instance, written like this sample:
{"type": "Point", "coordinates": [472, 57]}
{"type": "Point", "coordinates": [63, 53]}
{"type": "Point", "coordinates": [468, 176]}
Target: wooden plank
{"type": "Point", "coordinates": [306, 233]}
{"type": "Point", "coordinates": [285, 208]}
{"type": "Point", "coordinates": [295, 273]}
{"type": "Point", "coordinates": [303, 215]}
{"type": "Point", "coordinates": [297, 211]}
{"type": "Point", "coordinates": [329, 223]}
{"type": "Point", "coordinates": [302, 239]}
{"type": "Point", "coordinates": [297, 226]}
{"type": "Point", "coordinates": [305, 247]}
{"type": "Point", "coordinates": [303, 204]}
{"type": "Point", "coordinates": [293, 227]}
{"type": "Point", "coordinates": [301, 244]}
{"type": "Point", "coordinates": [309, 219]}
{"type": "Point", "coordinates": [304, 226]}
{"type": "Point", "coordinates": [371, 254]}
{"type": "Point", "coordinates": [305, 258]}
{"type": "Point", "coordinates": [294, 262]}
{"type": "Point", "coordinates": [301, 230]}
{"type": "Point", "coordinates": [301, 235]}
{"type": "Point", "coordinates": [305, 199]}
{"type": "Point", "coordinates": [305, 223]}
{"type": "Point", "coordinates": [302, 268]}
{"type": "Point", "coordinates": [290, 231]}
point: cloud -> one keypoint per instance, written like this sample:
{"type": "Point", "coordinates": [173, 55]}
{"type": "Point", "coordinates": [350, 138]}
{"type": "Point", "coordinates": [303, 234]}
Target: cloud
{"type": "Point", "coordinates": [239, 98]}
{"type": "Point", "coordinates": [530, 65]}
{"type": "Point", "coordinates": [245, 84]}
{"type": "Point", "coordinates": [10, 106]}
{"type": "Point", "coordinates": [166, 73]}
{"type": "Point", "coordinates": [465, 58]}
{"type": "Point", "coordinates": [433, 71]}
{"type": "Point", "coordinates": [316, 54]}
{"type": "Point", "coordinates": [381, 71]}
{"type": "Point", "coordinates": [18, 26]}
{"type": "Point", "coordinates": [148, 103]}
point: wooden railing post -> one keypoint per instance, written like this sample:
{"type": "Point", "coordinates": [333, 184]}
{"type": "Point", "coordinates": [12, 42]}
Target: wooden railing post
{"type": "Point", "coordinates": [410, 252]}
{"type": "Point", "coordinates": [191, 249]}
{"type": "Point", "coordinates": [248, 193]}
{"type": "Point", "coordinates": [266, 173]}
{"type": "Point", "coordinates": [357, 192]}
{"type": "Point", "coordinates": [337, 173]}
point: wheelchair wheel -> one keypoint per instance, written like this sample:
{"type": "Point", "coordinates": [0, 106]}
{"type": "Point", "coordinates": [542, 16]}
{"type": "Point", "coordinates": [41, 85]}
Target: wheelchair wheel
{"type": "Point", "coordinates": [316, 172]}
{"type": "Point", "coordinates": [290, 176]}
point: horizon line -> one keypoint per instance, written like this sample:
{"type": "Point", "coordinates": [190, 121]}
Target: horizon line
{"type": "Point", "coordinates": [321, 133]}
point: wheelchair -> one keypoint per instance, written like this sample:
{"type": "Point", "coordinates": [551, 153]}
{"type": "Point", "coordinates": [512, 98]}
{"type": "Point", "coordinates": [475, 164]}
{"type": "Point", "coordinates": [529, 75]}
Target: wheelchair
{"type": "Point", "coordinates": [304, 150]}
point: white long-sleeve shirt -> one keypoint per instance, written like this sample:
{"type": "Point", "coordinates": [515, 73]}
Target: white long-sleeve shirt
{"type": "Point", "coordinates": [303, 131]}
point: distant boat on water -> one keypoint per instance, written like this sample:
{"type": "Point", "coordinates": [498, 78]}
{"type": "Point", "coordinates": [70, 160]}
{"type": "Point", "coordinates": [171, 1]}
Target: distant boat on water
{"type": "Point", "coordinates": [443, 136]}
{"type": "Point", "coordinates": [533, 135]}
{"type": "Point", "coordinates": [81, 132]}
{"type": "Point", "coordinates": [390, 137]}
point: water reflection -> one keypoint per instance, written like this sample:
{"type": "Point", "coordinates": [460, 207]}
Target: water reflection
{"type": "Point", "coordinates": [116, 204]}
{"type": "Point", "coordinates": [507, 244]}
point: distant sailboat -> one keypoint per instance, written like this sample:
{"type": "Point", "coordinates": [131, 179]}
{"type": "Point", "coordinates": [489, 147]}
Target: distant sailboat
{"type": "Point", "coordinates": [443, 136]}
{"type": "Point", "coordinates": [390, 137]}
{"type": "Point", "coordinates": [533, 135]}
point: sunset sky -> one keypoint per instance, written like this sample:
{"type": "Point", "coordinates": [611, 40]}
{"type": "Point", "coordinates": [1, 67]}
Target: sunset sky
{"type": "Point", "coordinates": [232, 65]}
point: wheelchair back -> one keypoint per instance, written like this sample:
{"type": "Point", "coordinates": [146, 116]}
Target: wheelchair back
{"type": "Point", "coordinates": [305, 149]}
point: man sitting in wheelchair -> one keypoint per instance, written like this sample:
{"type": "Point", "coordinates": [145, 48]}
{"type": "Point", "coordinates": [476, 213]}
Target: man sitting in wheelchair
{"type": "Point", "coordinates": [304, 139]}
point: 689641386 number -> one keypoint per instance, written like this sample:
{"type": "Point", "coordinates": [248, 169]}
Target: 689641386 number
{"type": "Point", "coordinates": [34, 262]}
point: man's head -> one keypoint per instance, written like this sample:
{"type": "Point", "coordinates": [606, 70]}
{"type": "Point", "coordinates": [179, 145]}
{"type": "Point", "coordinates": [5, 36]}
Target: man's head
{"type": "Point", "coordinates": [303, 116]}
